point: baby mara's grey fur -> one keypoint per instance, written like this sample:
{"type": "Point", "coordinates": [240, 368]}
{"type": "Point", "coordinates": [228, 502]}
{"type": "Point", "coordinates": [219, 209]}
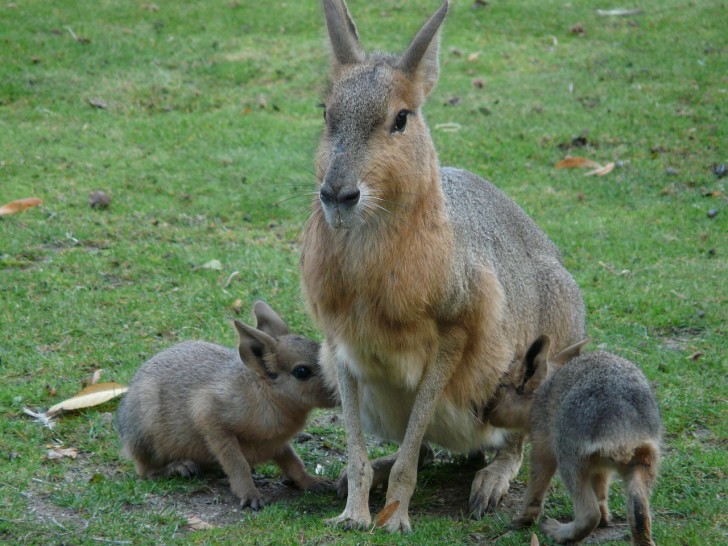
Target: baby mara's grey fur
{"type": "Point", "coordinates": [426, 281]}
{"type": "Point", "coordinates": [198, 405]}
{"type": "Point", "coordinates": [589, 416]}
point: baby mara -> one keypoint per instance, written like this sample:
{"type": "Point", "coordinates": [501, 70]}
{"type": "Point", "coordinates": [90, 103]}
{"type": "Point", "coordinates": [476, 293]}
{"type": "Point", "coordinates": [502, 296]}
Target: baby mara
{"type": "Point", "coordinates": [198, 405]}
{"type": "Point", "coordinates": [589, 415]}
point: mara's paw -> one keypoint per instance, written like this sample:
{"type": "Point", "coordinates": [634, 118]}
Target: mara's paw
{"type": "Point", "coordinates": [342, 484]}
{"type": "Point", "coordinates": [555, 530]}
{"type": "Point", "coordinates": [396, 521]}
{"type": "Point", "coordinates": [254, 501]}
{"type": "Point", "coordinates": [188, 469]}
{"type": "Point", "coordinates": [314, 483]}
{"type": "Point", "coordinates": [350, 522]}
{"type": "Point", "coordinates": [487, 491]}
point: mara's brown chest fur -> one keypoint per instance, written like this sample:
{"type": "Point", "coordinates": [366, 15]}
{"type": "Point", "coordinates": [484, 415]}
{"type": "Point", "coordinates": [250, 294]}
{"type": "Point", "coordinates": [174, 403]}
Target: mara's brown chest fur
{"type": "Point", "coordinates": [389, 303]}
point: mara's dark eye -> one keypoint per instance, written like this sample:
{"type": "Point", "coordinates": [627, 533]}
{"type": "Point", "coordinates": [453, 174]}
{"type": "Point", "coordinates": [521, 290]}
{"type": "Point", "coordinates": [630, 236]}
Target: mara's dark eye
{"type": "Point", "coordinates": [400, 122]}
{"type": "Point", "coordinates": [301, 372]}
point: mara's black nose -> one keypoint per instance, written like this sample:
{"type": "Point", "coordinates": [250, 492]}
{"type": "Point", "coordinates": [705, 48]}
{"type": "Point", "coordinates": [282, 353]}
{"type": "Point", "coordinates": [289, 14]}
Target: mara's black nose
{"type": "Point", "coordinates": [346, 197]}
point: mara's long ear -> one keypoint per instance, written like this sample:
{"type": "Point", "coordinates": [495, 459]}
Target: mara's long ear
{"type": "Point", "coordinates": [567, 354]}
{"type": "Point", "coordinates": [268, 320]}
{"type": "Point", "coordinates": [343, 34]}
{"type": "Point", "coordinates": [253, 347]}
{"type": "Point", "coordinates": [536, 363]}
{"type": "Point", "coordinates": [421, 60]}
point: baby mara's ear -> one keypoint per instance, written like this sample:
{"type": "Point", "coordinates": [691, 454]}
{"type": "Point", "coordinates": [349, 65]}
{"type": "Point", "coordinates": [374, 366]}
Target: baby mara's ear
{"type": "Point", "coordinates": [536, 365]}
{"type": "Point", "coordinates": [268, 320]}
{"type": "Point", "coordinates": [256, 349]}
{"type": "Point", "coordinates": [567, 354]}
{"type": "Point", "coordinates": [539, 366]}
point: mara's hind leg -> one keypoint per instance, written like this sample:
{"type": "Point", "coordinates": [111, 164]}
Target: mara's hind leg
{"type": "Point", "coordinates": [186, 469]}
{"type": "Point", "coordinates": [292, 466]}
{"type": "Point", "coordinates": [600, 482]}
{"type": "Point", "coordinates": [639, 478]}
{"type": "Point", "coordinates": [382, 467]}
{"type": "Point", "coordinates": [492, 482]}
{"type": "Point", "coordinates": [586, 508]}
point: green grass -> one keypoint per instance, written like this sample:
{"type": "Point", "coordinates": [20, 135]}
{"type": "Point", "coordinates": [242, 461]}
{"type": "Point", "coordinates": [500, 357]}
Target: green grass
{"type": "Point", "coordinates": [206, 145]}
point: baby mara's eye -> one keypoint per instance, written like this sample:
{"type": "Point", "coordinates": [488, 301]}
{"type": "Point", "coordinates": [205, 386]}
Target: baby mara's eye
{"type": "Point", "coordinates": [301, 372]}
{"type": "Point", "coordinates": [400, 122]}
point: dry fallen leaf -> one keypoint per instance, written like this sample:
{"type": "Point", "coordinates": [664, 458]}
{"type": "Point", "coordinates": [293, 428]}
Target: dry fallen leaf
{"type": "Point", "coordinates": [618, 12]}
{"type": "Point", "coordinates": [386, 513]}
{"type": "Point", "coordinates": [601, 171]}
{"type": "Point", "coordinates": [231, 277]}
{"type": "Point", "coordinates": [90, 396]}
{"type": "Point", "coordinates": [575, 162]}
{"type": "Point", "coordinates": [98, 103]}
{"type": "Point", "coordinates": [212, 264]}
{"type": "Point", "coordinates": [61, 452]}
{"type": "Point", "coordinates": [534, 540]}
{"type": "Point", "coordinates": [449, 127]}
{"type": "Point", "coordinates": [19, 205]}
{"type": "Point", "coordinates": [99, 200]}
{"type": "Point", "coordinates": [197, 524]}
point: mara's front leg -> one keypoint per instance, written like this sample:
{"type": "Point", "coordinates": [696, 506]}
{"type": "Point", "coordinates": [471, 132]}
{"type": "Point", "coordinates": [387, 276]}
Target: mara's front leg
{"type": "Point", "coordinates": [356, 515]}
{"type": "Point", "coordinates": [403, 477]}
{"type": "Point", "coordinates": [492, 482]}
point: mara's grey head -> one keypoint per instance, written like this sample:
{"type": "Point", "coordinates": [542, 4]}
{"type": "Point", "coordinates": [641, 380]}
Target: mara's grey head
{"type": "Point", "coordinates": [375, 145]}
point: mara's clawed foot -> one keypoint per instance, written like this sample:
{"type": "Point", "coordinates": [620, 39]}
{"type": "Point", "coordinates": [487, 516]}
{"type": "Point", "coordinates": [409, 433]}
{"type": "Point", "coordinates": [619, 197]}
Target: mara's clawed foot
{"type": "Point", "coordinates": [563, 533]}
{"type": "Point", "coordinates": [488, 489]}
{"type": "Point", "coordinates": [350, 521]}
{"type": "Point", "coordinates": [394, 518]}
{"type": "Point", "coordinates": [254, 501]}
{"type": "Point", "coordinates": [315, 483]}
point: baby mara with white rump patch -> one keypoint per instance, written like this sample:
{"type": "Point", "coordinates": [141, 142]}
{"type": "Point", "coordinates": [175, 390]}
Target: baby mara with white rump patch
{"type": "Point", "coordinates": [427, 282]}
{"type": "Point", "coordinates": [589, 416]}
{"type": "Point", "coordinates": [198, 405]}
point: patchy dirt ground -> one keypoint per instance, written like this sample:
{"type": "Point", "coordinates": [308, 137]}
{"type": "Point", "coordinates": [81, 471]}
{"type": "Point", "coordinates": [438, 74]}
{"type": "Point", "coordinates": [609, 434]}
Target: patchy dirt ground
{"type": "Point", "coordinates": [443, 490]}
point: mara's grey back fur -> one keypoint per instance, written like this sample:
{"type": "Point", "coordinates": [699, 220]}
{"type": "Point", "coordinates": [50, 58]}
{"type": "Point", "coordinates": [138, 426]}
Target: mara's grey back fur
{"type": "Point", "coordinates": [492, 230]}
{"type": "Point", "coordinates": [592, 416]}
{"type": "Point", "coordinates": [597, 403]}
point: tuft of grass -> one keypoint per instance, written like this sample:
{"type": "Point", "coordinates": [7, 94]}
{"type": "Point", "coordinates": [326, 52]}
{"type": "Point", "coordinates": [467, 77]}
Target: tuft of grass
{"type": "Point", "coordinates": [199, 120]}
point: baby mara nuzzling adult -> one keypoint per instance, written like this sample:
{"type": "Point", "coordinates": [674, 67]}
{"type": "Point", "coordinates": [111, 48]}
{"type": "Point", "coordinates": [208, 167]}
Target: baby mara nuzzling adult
{"type": "Point", "coordinates": [198, 405]}
{"type": "Point", "coordinates": [590, 415]}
